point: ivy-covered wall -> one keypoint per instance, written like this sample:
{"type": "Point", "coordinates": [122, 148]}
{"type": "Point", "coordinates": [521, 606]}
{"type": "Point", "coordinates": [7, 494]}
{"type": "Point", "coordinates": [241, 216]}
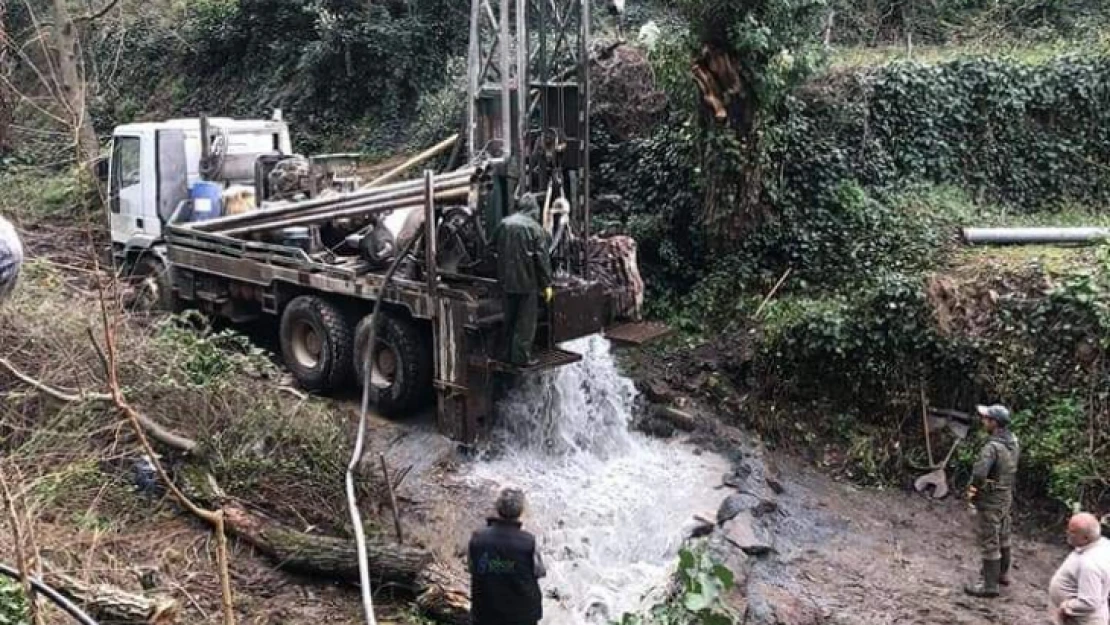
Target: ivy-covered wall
{"type": "Point", "coordinates": [1033, 138]}
{"type": "Point", "coordinates": [869, 174]}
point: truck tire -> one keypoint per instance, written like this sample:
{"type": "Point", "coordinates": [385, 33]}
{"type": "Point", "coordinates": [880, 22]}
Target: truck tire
{"type": "Point", "coordinates": [316, 343]}
{"type": "Point", "coordinates": [403, 369]}
{"type": "Point", "coordinates": [151, 285]}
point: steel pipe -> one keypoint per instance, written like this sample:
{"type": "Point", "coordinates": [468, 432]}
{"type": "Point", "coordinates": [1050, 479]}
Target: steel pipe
{"type": "Point", "coordinates": [357, 211]}
{"type": "Point", "coordinates": [386, 192]}
{"type": "Point", "coordinates": [326, 213]}
{"type": "Point", "coordinates": [1030, 236]}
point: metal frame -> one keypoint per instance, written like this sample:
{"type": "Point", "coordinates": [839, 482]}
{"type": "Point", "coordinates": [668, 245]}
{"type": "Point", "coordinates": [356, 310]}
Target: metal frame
{"type": "Point", "coordinates": [504, 55]}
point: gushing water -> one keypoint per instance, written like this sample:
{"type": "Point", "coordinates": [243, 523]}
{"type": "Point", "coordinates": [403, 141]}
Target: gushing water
{"type": "Point", "coordinates": [610, 507]}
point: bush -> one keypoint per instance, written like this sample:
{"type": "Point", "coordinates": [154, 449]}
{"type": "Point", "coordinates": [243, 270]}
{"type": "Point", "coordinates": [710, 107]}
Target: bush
{"type": "Point", "coordinates": [324, 62]}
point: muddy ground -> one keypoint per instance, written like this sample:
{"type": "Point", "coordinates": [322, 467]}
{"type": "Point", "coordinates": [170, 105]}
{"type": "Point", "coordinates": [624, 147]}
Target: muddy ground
{"type": "Point", "coordinates": [868, 557]}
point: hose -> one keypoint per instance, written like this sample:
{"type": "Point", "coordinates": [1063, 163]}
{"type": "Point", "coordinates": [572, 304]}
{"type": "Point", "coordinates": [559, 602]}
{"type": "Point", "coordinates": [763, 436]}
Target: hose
{"type": "Point", "coordinates": [53, 595]}
{"type": "Point", "coordinates": [356, 455]}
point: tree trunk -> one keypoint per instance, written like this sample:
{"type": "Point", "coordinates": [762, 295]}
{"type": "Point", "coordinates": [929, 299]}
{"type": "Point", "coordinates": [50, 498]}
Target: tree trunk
{"type": "Point", "coordinates": [441, 592]}
{"type": "Point", "coordinates": [72, 86]}
{"type": "Point", "coordinates": [324, 555]}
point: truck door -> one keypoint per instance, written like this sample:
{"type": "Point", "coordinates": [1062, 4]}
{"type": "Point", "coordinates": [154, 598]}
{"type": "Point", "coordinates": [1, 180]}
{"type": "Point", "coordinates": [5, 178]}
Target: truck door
{"type": "Point", "coordinates": [131, 197]}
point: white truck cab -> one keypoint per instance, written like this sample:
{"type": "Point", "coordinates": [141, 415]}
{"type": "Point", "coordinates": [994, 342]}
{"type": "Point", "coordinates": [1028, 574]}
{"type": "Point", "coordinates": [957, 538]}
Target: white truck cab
{"type": "Point", "coordinates": [154, 164]}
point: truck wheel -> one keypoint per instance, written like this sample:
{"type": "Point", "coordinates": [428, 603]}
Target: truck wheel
{"type": "Point", "coordinates": [151, 287]}
{"type": "Point", "coordinates": [402, 370]}
{"type": "Point", "coordinates": [316, 343]}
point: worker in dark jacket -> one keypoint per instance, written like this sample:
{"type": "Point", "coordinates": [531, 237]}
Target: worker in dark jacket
{"type": "Point", "coordinates": [505, 567]}
{"type": "Point", "coordinates": [524, 269]}
{"type": "Point", "coordinates": [992, 492]}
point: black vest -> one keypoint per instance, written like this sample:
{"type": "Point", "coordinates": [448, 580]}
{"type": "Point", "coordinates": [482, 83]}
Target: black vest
{"type": "Point", "coordinates": [503, 585]}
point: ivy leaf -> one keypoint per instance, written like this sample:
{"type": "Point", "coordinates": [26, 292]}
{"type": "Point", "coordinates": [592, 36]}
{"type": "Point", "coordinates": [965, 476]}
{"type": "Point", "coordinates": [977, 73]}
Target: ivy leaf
{"type": "Point", "coordinates": [696, 601]}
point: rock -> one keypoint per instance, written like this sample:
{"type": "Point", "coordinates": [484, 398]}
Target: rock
{"type": "Point", "coordinates": [765, 507]}
{"type": "Point", "coordinates": [700, 526]}
{"type": "Point", "coordinates": [747, 534]}
{"type": "Point", "coordinates": [775, 485]}
{"type": "Point", "coordinates": [734, 504]}
{"type": "Point", "coordinates": [681, 420]}
{"type": "Point", "coordinates": [658, 391]}
{"type": "Point", "coordinates": [739, 476]}
{"type": "Point", "coordinates": [775, 605]}
{"type": "Point", "coordinates": [659, 428]}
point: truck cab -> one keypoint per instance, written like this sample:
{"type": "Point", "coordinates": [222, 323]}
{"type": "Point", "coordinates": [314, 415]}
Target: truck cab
{"type": "Point", "coordinates": [154, 164]}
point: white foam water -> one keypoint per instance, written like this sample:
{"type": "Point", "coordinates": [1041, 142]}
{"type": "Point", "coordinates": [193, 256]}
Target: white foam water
{"type": "Point", "coordinates": [610, 507]}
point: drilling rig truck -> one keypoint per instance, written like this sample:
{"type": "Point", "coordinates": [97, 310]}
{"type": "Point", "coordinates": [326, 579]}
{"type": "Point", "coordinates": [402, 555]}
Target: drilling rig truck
{"type": "Point", "coordinates": [221, 215]}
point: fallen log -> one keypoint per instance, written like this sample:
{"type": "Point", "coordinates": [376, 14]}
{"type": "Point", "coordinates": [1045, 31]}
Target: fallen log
{"type": "Point", "coordinates": [327, 556]}
{"type": "Point", "coordinates": [111, 604]}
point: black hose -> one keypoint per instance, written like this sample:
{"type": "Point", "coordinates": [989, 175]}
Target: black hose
{"type": "Point", "coordinates": [77, 613]}
{"type": "Point", "coordinates": [369, 391]}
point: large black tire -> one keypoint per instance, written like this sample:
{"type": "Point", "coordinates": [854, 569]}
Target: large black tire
{"type": "Point", "coordinates": [151, 285]}
{"type": "Point", "coordinates": [403, 375]}
{"type": "Point", "coordinates": [317, 343]}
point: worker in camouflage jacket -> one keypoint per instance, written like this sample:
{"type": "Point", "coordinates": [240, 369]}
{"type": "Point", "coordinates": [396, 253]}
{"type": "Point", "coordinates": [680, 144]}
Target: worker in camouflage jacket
{"type": "Point", "coordinates": [992, 493]}
{"type": "Point", "coordinates": [524, 269]}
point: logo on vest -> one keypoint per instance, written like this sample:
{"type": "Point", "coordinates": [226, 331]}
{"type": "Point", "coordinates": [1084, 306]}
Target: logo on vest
{"type": "Point", "coordinates": [488, 565]}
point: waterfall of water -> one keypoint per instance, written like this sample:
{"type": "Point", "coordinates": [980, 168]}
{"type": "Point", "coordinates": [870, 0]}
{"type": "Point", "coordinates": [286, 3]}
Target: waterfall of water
{"type": "Point", "coordinates": [608, 506]}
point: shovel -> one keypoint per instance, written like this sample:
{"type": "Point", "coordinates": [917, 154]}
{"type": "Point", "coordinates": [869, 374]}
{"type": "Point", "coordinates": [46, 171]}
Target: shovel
{"type": "Point", "coordinates": [937, 478]}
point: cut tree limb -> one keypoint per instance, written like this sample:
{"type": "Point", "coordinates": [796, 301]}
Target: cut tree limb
{"type": "Point", "coordinates": [112, 604]}
{"type": "Point", "coordinates": [152, 428]}
{"type": "Point", "coordinates": [323, 555]}
{"type": "Point", "coordinates": [441, 592]}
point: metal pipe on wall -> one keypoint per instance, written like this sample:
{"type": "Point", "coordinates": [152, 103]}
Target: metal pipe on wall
{"type": "Point", "coordinates": [1028, 236]}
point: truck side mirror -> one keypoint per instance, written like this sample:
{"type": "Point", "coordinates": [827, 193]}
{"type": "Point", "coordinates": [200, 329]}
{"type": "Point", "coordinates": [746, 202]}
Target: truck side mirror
{"type": "Point", "coordinates": [102, 167]}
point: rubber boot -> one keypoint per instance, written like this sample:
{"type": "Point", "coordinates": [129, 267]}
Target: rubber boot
{"type": "Point", "coordinates": [1004, 573]}
{"type": "Point", "coordinates": [989, 586]}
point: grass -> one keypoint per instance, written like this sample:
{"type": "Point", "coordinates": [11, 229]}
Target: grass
{"type": "Point", "coordinates": [1030, 53]}
{"type": "Point", "coordinates": [29, 195]}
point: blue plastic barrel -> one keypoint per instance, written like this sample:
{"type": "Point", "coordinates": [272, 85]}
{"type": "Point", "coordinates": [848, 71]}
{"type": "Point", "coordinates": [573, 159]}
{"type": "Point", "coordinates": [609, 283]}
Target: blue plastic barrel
{"type": "Point", "coordinates": [207, 202]}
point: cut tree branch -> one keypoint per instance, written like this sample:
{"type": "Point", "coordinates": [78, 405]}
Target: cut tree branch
{"type": "Point", "coordinates": [92, 17]}
{"type": "Point", "coordinates": [154, 429]}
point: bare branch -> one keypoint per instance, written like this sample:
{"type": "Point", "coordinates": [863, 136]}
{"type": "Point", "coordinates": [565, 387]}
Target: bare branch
{"type": "Point", "coordinates": [92, 17]}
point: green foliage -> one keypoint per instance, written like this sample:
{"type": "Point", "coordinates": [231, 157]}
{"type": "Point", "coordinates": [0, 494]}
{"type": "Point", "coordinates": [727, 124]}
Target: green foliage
{"type": "Point", "coordinates": [1027, 136]}
{"type": "Point", "coordinates": [773, 41]}
{"type": "Point", "coordinates": [699, 599]}
{"type": "Point", "coordinates": [1055, 451]}
{"type": "Point", "coordinates": [33, 194]}
{"type": "Point", "coordinates": [867, 22]}
{"type": "Point", "coordinates": [13, 603]}
{"type": "Point", "coordinates": [208, 358]}
{"type": "Point", "coordinates": [324, 62]}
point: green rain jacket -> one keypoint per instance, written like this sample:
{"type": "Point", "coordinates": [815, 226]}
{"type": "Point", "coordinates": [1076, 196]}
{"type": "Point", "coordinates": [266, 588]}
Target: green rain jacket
{"type": "Point", "coordinates": [523, 259]}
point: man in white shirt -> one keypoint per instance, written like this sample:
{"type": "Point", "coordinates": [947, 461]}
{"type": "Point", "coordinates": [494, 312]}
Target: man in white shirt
{"type": "Point", "coordinates": [1081, 586]}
